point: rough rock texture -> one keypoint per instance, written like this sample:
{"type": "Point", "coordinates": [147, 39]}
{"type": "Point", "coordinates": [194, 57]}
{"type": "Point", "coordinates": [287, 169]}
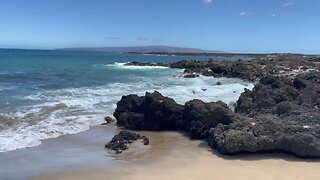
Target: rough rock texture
{"type": "Point", "coordinates": [156, 112]}
{"type": "Point", "coordinates": [280, 114]}
{"type": "Point", "coordinates": [279, 94]}
{"type": "Point", "coordinates": [151, 112]}
{"type": "Point", "coordinates": [284, 117]}
{"type": "Point", "coordinates": [120, 141]}
{"type": "Point", "coordinates": [259, 65]}
{"type": "Point", "coordinates": [252, 70]}
{"type": "Point", "coordinates": [298, 135]}
{"type": "Point", "coordinates": [200, 117]}
{"type": "Point", "coordinates": [266, 95]}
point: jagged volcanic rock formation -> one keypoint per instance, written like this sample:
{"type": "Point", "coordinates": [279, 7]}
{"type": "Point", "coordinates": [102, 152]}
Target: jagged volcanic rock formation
{"type": "Point", "coordinates": [156, 112]}
{"type": "Point", "coordinates": [151, 112]}
{"type": "Point", "coordinates": [280, 114]}
{"type": "Point", "coordinates": [284, 117]}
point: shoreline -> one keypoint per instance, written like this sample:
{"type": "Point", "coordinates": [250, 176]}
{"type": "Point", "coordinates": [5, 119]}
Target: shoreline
{"type": "Point", "coordinates": [172, 155]}
{"type": "Point", "coordinates": [64, 153]}
{"type": "Point", "coordinates": [172, 150]}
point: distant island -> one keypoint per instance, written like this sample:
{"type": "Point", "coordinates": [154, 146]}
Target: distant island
{"type": "Point", "coordinates": [143, 49]}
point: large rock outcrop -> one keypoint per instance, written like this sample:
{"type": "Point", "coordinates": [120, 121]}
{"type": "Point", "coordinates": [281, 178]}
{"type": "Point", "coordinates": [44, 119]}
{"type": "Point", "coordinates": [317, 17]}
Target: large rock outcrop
{"type": "Point", "coordinates": [284, 116]}
{"type": "Point", "coordinates": [279, 115]}
{"type": "Point", "coordinates": [156, 112]}
{"type": "Point", "coordinates": [150, 112]}
{"type": "Point", "coordinates": [298, 135]}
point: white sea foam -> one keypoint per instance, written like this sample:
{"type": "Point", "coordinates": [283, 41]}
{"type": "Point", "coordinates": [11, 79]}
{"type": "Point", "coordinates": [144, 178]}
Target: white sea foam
{"type": "Point", "coordinates": [124, 66]}
{"type": "Point", "coordinates": [72, 110]}
{"type": "Point", "coordinates": [116, 64]}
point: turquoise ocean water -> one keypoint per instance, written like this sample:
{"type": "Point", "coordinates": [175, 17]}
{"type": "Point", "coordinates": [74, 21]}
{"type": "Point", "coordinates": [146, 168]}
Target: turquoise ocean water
{"type": "Point", "coordinates": [45, 94]}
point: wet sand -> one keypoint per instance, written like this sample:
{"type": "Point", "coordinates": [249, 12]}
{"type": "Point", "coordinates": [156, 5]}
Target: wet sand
{"type": "Point", "coordinates": [65, 153]}
{"type": "Point", "coordinates": [171, 155]}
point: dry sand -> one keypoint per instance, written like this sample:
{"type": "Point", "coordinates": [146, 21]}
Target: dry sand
{"type": "Point", "coordinates": [172, 156]}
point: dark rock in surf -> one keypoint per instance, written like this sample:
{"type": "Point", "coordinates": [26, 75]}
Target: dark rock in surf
{"type": "Point", "coordinates": [190, 75]}
{"type": "Point", "coordinates": [280, 114]}
{"type": "Point", "coordinates": [156, 112]}
{"type": "Point", "coordinates": [150, 112]}
{"type": "Point", "coordinates": [108, 120]}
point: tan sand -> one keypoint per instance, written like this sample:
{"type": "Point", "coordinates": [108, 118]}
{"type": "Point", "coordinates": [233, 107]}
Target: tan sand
{"type": "Point", "coordinates": [172, 156]}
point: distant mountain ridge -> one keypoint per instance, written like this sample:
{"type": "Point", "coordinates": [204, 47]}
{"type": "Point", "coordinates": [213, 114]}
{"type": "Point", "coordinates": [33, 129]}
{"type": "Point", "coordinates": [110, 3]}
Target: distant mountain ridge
{"type": "Point", "coordinates": [143, 49]}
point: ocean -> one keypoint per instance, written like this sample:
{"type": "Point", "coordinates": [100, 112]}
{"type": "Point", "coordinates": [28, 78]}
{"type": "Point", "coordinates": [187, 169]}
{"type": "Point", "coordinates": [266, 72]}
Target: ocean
{"type": "Point", "coordinates": [45, 94]}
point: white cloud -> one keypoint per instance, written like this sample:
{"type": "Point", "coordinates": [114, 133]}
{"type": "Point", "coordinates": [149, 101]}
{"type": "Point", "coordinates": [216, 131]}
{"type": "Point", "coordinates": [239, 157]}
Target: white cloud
{"type": "Point", "coordinates": [207, 1]}
{"type": "Point", "coordinates": [245, 13]}
{"type": "Point", "coordinates": [289, 3]}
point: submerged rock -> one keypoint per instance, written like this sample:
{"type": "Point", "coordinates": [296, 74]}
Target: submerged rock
{"type": "Point", "coordinates": [120, 141]}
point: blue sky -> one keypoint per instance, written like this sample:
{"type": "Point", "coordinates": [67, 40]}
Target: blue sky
{"type": "Point", "coordinates": [228, 25]}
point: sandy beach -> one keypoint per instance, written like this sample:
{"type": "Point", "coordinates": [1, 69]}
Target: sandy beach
{"type": "Point", "coordinates": [159, 90]}
{"type": "Point", "coordinates": [171, 155]}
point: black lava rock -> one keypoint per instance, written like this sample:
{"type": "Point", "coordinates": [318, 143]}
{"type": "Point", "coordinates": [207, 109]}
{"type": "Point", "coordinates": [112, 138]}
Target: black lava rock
{"type": "Point", "coordinates": [150, 112]}
{"type": "Point", "coordinates": [120, 141]}
{"type": "Point", "coordinates": [200, 117]}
